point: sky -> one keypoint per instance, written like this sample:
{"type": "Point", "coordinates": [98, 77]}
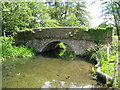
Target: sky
{"type": "Point", "coordinates": [94, 10]}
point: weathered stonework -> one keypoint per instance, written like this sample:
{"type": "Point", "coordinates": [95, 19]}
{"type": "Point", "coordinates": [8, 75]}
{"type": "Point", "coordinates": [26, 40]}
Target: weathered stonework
{"type": "Point", "coordinates": [45, 39]}
{"type": "Point", "coordinates": [78, 46]}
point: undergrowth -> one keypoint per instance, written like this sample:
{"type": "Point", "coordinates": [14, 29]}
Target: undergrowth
{"type": "Point", "coordinates": [9, 49]}
{"type": "Point", "coordinates": [107, 64]}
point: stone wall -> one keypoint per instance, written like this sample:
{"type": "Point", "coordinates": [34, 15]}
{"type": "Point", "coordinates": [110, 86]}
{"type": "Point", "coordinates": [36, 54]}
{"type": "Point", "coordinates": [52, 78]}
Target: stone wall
{"type": "Point", "coordinates": [78, 46]}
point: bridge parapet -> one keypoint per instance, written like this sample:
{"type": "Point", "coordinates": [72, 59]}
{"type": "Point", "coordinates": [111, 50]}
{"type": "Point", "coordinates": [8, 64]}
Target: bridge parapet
{"type": "Point", "coordinates": [77, 33]}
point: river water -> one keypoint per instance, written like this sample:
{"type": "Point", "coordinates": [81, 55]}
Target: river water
{"type": "Point", "coordinates": [47, 72]}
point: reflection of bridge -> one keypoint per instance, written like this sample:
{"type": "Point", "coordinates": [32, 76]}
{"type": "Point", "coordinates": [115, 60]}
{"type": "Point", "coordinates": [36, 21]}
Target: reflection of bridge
{"type": "Point", "coordinates": [45, 39]}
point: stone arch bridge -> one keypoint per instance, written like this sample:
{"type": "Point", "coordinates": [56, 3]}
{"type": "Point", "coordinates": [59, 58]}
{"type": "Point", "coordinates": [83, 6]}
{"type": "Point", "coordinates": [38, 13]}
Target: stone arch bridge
{"type": "Point", "coordinates": [79, 40]}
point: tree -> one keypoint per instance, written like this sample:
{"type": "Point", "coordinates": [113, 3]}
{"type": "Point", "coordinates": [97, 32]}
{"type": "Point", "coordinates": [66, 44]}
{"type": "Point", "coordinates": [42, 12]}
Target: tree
{"type": "Point", "coordinates": [21, 15]}
{"type": "Point", "coordinates": [42, 17]}
{"type": "Point", "coordinates": [69, 13]}
{"type": "Point", "coordinates": [111, 11]}
{"type": "Point", "coordinates": [102, 25]}
{"type": "Point", "coordinates": [81, 13]}
{"type": "Point", "coordinates": [15, 16]}
{"type": "Point", "coordinates": [24, 15]}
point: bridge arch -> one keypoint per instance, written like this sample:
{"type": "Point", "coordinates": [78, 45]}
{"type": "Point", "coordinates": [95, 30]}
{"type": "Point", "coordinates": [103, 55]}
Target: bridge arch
{"type": "Point", "coordinates": [42, 45]}
{"type": "Point", "coordinates": [51, 45]}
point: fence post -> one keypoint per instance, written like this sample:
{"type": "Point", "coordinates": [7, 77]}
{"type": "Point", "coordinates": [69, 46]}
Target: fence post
{"type": "Point", "coordinates": [108, 50]}
{"type": "Point", "coordinates": [115, 71]}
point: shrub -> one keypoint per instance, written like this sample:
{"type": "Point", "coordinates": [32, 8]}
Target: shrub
{"type": "Point", "coordinates": [10, 50]}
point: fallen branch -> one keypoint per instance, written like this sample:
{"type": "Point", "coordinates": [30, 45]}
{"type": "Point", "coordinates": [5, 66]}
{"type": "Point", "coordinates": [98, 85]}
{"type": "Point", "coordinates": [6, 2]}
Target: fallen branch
{"type": "Point", "coordinates": [103, 75]}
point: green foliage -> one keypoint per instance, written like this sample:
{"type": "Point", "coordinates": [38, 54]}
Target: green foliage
{"type": "Point", "coordinates": [108, 68]}
{"type": "Point", "coordinates": [118, 79]}
{"type": "Point", "coordinates": [110, 9]}
{"type": "Point", "coordinates": [51, 23]}
{"type": "Point", "coordinates": [69, 55]}
{"type": "Point", "coordinates": [96, 34]}
{"type": "Point", "coordinates": [69, 13]}
{"type": "Point", "coordinates": [21, 15]}
{"type": "Point", "coordinates": [111, 12]}
{"type": "Point", "coordinates": [16, 16]}
{"type": "Point", "coordinates": [100, 53]}
{"type": "Point", "coordinates": [62, 52]}
{"type": "Point", "coordinates": [66, 52]}
{"type": "Point", "coordinates": [63, 46]}
{"type": "Point", "coordinates": [103, 25]}
{"type": "Point", "coordinates": [10, 50]}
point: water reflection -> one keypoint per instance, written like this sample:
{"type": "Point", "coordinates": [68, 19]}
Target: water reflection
{"type": "Point", "coordinates": [48, 72]}
{"type": "Point", "coordinates": [60, 53]}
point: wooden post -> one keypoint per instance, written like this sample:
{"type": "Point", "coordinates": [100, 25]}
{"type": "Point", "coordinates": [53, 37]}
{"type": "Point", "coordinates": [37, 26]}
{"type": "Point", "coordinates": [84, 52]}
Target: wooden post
{"type": "Point", "coordinates": [108, 50]}
{"type": "Point", "coordinates": [4, 34]}
{"type": "Point", "coordinates": [115, 71]}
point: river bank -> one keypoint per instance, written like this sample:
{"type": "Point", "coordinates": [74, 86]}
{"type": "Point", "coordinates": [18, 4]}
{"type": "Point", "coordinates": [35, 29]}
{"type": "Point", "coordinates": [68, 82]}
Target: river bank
{"type": "Point", "coordinates": [107, 59]}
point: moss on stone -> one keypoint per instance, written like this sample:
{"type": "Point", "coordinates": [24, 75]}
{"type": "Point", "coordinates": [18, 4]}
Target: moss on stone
{"type": "Point", "coordinates": [97, 35]}
{"type": "Point", "coordinates": [94, 34]}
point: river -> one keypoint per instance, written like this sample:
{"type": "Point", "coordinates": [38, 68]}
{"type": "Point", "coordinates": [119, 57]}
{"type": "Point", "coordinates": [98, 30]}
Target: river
{"type": "Point", "coordinates": [49, 72]}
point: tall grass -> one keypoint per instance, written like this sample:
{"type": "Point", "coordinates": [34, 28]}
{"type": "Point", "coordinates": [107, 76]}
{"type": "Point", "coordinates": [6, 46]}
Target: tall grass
{"type": "Point", "coordinates": [9, 49]}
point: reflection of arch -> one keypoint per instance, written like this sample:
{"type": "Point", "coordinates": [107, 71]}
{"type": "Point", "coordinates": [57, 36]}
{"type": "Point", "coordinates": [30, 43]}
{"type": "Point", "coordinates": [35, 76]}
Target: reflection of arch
{"type": "Point", "coordinates": [51, 45]}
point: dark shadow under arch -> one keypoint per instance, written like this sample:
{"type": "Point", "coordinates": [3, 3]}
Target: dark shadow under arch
{"type": "Point", "coordinates": [52, 49]}
{"type": "Point", "coordinates": [50, 46]}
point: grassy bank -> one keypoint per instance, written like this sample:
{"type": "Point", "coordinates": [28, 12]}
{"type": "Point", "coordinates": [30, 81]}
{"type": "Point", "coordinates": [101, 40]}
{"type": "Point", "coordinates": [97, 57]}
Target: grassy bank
{"type": "Point", "coordinates": [10, 50]}
{"type": "Point", "coordinates": [106, 57]}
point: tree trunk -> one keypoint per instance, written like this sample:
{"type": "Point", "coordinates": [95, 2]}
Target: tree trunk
{"type": "Point", "coordinates": [117, 26]}
{"type": "Point", "coordinates": [118, 34]}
